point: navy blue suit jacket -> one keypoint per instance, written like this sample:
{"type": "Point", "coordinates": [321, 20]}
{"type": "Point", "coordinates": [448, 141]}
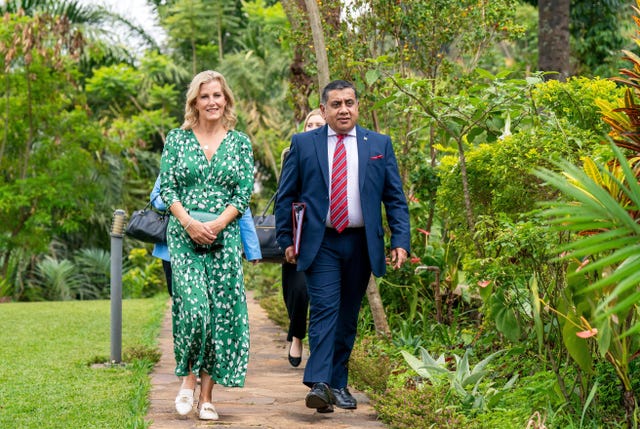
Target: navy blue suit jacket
{"type": "Point", "coordinates": [305, 178]}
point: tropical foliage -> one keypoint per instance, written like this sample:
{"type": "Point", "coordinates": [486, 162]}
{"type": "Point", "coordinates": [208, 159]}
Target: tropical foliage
{"type": "Point", "coordinates": [523, 192]}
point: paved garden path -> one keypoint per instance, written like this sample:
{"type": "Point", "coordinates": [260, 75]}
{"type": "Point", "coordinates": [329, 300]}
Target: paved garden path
{"type": "Point", "coordinates": [273, 396]}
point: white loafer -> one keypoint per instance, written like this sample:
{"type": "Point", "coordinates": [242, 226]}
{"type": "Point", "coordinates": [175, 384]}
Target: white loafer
{"type": "Point", "coordinates": [208, 412]}
{"type": "Point", "coordinates": [184, 401]}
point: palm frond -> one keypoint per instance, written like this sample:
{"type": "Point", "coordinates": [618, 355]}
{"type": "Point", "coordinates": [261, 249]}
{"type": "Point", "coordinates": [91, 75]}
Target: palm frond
{"type": "Point", "coordinates": [597, 244]}
{"type": "Point", "coordinates": [609, 231]}
{"type": "Point", "coordinates": [590, 199]}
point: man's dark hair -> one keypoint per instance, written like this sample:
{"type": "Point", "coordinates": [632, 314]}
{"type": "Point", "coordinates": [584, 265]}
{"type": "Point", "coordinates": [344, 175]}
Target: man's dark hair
{"type": "Point", "coordinates": [336, 84]}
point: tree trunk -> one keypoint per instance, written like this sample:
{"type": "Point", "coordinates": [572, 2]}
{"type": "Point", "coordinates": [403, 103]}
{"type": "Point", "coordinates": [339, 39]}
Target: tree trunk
{"type": "Point", "coordinates": [433, 155]}
{"type": "Point", "coordinates": [377, 309]}
{"type": "Point", "coordinates": [300, 83]}
{"type": "Point", "coordinates": [220, 40]}
{"type": "Point", "coordinates": [7, 107]}
{"type": "Point", "coordinates": [373, 294]}
{"type": "Point", "coordinates": [194, 58]}
{"type": "Point", "coordinates": [31, 135]}
{"type": "Point", "coordinates": [629, 401]}
{"type": "Point", "coordinates": [553, 38]}
{"type": "Point", "coordinates": [467, 198]}
{"type": "Point", "coordinates": [318, 43]}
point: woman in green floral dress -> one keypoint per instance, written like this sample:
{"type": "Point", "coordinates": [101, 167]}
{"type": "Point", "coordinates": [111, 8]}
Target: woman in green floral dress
{"type": "Point", "coordinates": [207, 169]}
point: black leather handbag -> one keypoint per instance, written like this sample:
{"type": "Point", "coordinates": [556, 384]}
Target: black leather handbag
{"type": "Point", "coordinates": [266, 231]}
{"type": "Point", "coordinates": [148, 225]}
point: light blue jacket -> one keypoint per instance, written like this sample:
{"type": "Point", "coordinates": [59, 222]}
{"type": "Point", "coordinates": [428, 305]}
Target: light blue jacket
{"type": "Point", "coordinates": [250, 242]}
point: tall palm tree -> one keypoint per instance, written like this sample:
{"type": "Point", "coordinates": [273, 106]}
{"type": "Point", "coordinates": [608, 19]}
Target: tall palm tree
{"type": "Point", "coordinates": [100, 27]}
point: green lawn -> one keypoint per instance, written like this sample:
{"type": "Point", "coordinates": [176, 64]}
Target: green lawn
{"type": "Point", "coordinates": [46, 354]}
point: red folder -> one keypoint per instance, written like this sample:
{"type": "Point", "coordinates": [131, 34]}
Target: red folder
{"type": "Point", "coordinates": [297, 212]}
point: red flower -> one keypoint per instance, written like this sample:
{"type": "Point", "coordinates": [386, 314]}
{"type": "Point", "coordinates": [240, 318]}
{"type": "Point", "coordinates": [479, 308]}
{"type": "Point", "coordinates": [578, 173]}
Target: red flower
{"type": "Point", "coordinates": [415, 260]}
{"type": "Point", "coordinates": [582, 265]}
{"type": "Point", "coordinates": [484, 283]}
{"type": "Point", "coordinates": [588, 333]}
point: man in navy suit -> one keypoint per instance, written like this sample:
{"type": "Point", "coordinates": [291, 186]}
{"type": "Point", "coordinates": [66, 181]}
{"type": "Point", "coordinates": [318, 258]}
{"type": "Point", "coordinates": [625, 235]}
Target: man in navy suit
{"type": "Point", "coordinates": [338, 260]}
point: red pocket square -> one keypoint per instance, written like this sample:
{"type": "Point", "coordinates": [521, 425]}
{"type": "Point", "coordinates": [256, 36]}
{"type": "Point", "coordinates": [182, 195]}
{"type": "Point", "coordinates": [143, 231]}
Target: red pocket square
{"type": "Point", "coordinates": [377, 157]}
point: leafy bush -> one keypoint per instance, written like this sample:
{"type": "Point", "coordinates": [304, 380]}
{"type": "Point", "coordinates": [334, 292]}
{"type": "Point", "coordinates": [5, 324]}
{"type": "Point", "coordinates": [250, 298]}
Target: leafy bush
{"type": "Point", "coordinates": [424, 408]}
{"type": "Point", "coordinates": [144, 277]}
{"type": "Point", "coordinates": [60, 281]}
{"type": "Point", "coordinates": [500, 178]}
{"type": "Point", "coordinates": [276, 310]}
{"type": "Point", "coordinates": [575, 100]}
{"type": "Point", "coordinates": [369, 366]}
{"type": "Point", "coordinates": [533, 393]}
{"type": "Point", "coordinates": [464, 380]}
{"type": "Point", "coordinates": [264, 279]}
{"type": "Point", "coordinates": [565, 126]}
{"type": "Point", "coordinates": [95, 266]}
{"type": "Point", "coordinates": [266, 282]}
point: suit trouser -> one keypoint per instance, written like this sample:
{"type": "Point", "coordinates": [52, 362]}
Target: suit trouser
{"type": "Point", "coordinates": [294, 291]}
{"type": "Point", "coordinates": [336, 283]}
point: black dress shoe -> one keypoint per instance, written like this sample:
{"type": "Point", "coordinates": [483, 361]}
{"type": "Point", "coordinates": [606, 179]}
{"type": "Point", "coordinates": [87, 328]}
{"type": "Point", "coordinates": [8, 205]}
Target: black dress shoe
{"type": "Point", "coordinates": [319, 397]}
{"type": "Point", "coordinates": [325, 410]}
{"type": "Point", "coordinates": [295, 361]}
{"type": "Point", "coordinates": [344, 399]}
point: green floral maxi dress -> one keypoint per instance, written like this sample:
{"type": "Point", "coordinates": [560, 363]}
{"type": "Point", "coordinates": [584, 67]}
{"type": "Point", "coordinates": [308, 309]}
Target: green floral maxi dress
{"type": "Point", "coordinates": [209, 310]}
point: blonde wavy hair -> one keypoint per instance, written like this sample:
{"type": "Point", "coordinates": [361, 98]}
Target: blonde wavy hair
{"type": "Point", "coordinates": [314, 112]}
{"type": "Point", "coordinates": [229, 118]}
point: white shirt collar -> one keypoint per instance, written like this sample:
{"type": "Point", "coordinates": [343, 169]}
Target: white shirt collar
{"type": "Point", "coordinates": [331, 132]}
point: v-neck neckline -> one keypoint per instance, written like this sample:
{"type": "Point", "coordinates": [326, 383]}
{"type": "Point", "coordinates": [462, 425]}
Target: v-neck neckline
{"type": "Point", "coordinates": [202, 150]}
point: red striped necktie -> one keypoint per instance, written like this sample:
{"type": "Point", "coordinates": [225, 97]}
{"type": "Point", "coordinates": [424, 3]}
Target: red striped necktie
{"type": "Point", "coordinates": [338, 204]}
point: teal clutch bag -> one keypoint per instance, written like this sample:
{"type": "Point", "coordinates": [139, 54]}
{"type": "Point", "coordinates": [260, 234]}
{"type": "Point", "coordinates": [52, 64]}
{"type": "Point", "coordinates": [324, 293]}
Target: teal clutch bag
{"type": "Point", "coordinates": [203, 216]}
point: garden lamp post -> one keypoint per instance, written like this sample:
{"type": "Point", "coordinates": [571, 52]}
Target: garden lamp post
{"type": "Point", "coordinates": [117, 232]}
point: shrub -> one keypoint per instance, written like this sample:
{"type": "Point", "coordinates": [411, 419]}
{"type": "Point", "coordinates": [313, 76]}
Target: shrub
{"type": "Point", "coordinates": [499, 172]}
{"type": "Point", "coordinates": [264, 279]}
{"type": "Point", "coordinates": [59, 280]}
{"type": "Point", "coordinates": [411, 408]}
{"type": "Point", "coordinates": [94, 266]}
{"type": "Point", "coordinates": [276, 309]}
{"type": "Point", "coordinates": [369, 366]}
{"type": "Point", "coordinates": [576, 98]}
{"type": "Point", "coordinates": [145, 277]}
